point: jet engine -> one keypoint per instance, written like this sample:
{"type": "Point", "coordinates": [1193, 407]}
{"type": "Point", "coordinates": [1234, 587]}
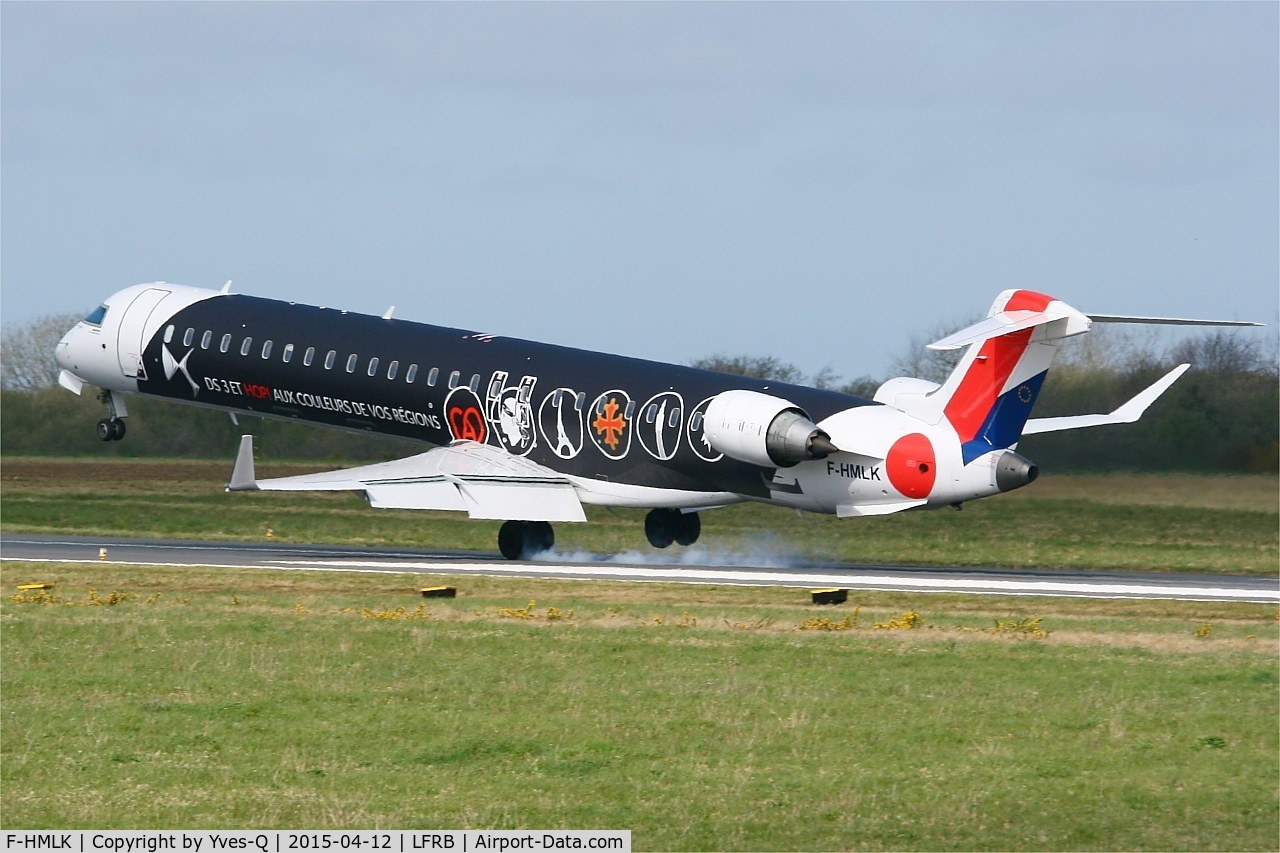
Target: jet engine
{"type": "Point", "coordinates": [763, 430]}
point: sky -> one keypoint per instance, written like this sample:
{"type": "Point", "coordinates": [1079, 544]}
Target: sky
{"type": "Point", "coordinates": [816, 182]}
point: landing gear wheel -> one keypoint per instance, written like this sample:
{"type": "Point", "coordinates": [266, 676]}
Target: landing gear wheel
{"type": "Point", "coordinates": [110, 429]}
{"type": "Point", "coordinates": [688, 528]}
{"type": "Point", "coordinates": [540, 537]}
{"type": "Point", "coordinates": [524, 539]}
{"type": "Point", "coordinates": [659, 527]}
{"type": "Point", "coordinates": [664, 526]}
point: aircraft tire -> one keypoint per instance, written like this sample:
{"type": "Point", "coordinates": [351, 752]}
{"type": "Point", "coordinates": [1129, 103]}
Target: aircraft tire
{"type": "Point", "coordinates": [540, 537]}
{"type": "Point", "coordinates": [688, 528]}
{"type": "Point", "coordinates": [511, 539]}
{"type": "Point", "coordinates": [659, 527]}
{"type": "Point", "coordinates": [117, 429]}
{"type": "Point", "coordinates": [523, 539]}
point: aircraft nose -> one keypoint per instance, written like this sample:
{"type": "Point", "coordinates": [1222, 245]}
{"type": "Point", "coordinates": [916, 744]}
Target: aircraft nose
{"type": "Point", "coordinates": [62, 354]}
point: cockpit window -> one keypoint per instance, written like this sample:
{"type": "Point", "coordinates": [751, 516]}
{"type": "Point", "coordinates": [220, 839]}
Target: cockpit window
{"type": "Point", "coordinates": [95, 316]}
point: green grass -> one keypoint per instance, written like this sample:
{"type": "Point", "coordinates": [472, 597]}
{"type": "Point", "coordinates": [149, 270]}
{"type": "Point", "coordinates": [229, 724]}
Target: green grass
{"type": "Point", "coordinates": [698, 717]}
{"type": "Point", "coordinates": [1142, 522]}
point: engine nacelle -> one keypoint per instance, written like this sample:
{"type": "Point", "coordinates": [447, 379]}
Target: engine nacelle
{"type": "Point", "coordinates": [763, 430]}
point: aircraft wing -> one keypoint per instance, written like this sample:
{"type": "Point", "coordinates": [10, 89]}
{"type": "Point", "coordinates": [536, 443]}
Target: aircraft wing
{"type": "Point", "coordinates": [482, 481]}
{"type": "Point", "coordinates": [1126, 414]}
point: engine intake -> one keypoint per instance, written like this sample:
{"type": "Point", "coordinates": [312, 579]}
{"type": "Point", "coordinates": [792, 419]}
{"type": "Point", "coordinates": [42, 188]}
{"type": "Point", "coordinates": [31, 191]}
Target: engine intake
{"type": "Point", "coordinates": [763, 430]}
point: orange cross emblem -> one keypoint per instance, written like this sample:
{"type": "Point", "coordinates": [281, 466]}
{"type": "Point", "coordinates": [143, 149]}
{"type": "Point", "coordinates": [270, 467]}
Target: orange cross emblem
{"type": "Point", "coordinates": [610, 425]}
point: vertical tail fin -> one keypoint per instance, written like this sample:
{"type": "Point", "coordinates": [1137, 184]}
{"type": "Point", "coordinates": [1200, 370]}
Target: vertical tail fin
{"type": "Point", "coordinates": [988, 397]}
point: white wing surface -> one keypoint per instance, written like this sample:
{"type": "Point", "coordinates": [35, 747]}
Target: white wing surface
{"type": "Point", "coordinates": [1126, 414]}
{"type": "Point", "coordinates": [482, 481]}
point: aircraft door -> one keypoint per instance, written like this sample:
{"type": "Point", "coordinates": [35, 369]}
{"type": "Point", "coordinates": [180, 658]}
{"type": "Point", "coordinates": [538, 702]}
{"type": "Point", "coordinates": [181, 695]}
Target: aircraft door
{"type": "Point", "coordinates": [132, 335]}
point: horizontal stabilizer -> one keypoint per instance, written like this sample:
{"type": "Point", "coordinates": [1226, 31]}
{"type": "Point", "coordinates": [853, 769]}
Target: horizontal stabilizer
{"type": "Point", "coordinates": [482, 481]}
{"type": "Point", "coordinates": [1001, 323]}
{"type": "Point", "coordinates": [1126, 414]}
{"type": "Point", "coordinates": [1167, 321]}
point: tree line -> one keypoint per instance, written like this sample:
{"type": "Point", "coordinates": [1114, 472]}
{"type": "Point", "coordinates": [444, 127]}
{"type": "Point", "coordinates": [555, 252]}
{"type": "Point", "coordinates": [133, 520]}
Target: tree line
{"type": "Point", "coordinates": [1222, 415]}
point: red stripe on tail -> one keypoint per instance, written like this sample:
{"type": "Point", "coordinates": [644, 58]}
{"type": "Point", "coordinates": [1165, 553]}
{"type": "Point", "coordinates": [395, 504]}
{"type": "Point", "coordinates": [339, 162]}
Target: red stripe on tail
{"type": "Point", "coordinates": [978, 391]}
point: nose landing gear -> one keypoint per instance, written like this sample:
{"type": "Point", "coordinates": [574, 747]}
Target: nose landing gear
{"type": "Point", "coordinates": [112, 428]}
{"type": "Point", "coordinates": [109, 430]}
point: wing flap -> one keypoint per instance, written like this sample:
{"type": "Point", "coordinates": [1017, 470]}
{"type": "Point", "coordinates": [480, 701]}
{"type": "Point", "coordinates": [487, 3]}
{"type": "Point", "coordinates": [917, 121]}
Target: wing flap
{"type": "Point", "coordinates": [482, 481]}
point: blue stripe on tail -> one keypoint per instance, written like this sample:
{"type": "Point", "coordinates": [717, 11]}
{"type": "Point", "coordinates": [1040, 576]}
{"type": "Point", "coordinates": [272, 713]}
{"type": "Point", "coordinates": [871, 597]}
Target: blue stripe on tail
{"type": "Point", "coordinates": [1003, 425]}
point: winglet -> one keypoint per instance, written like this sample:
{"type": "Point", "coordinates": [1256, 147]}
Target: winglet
{"type": "Point", "coordinates": [1126, 414]}
{"type": "Point", "coordinates": [243, 478]}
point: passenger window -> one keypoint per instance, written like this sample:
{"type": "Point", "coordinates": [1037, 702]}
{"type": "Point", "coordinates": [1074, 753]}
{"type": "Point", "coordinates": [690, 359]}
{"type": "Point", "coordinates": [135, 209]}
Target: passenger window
{"type": "Point", "coordinates": [495, 387]}
{"type": "Point", "coordinates": [557, 398]}
{"type": "Point", "coordinates": [351, 363]}
{"type": "Point", "coordinates": [392, 369]}
{"type": "Point", "coordinates": [206, 339]}
{"type": "Point", "coordinates": [650, 412]}
{"type": "Point", "coordinates": [674, 418]}
{"type": "Point", "coordinates": [226, 343]}
{"type": "Point", "coordinates": [432, 375]}
{"type": "Point", "coordinates": [188, 337]}
{"type": "Point", "coordinates": [630, 410]}
{"type": "Point", "coordinates": [373, 367]}
{"type": "Point", "coordinates": [474, 384]}
{"type": "Point", "coordinates": [330, 358]}
{"type": "Point", "coordinates": [308, 356]}
{"type": "Point", "coordinates": [287, 355]}
{"type": "Point", "coordinates": [168, 334]}
{"type": "Point", "coordinates": [580, 402]}
{"type": "Point", "coordinates": [411, 374]}
{"type": "Point", "coordinates": [246, 346]}
{"type": "Point", "coordinates": [266, 350]}
{"type": "Point", "coordinates": [453, 380]}
{"type": "Point", "coordinates": [695, 422]}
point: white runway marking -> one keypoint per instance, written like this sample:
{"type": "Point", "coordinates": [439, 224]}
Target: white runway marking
{"type": "Point", "coordinates": [742, 571]}
{"type": "Point", "coordinates": [686, 574]}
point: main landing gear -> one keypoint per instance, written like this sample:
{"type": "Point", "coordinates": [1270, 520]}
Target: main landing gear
{"type": "Point", "coordinates": [112, 428]}
{"type": "Point", "coordinates": [664, 526]}
{"type": "Point", "coordinates": [523, 540]}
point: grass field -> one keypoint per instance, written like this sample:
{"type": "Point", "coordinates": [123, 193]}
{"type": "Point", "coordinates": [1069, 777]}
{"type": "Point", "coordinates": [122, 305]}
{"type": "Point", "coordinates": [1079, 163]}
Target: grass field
{"type": "Point", "coordinates": [701, 718]}
{"type": "Point", "coordinates": [1143, 522]}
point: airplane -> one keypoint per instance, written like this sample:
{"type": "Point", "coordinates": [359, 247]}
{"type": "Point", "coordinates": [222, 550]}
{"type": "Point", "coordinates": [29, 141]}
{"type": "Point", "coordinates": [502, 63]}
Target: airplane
{"type": "Point", "coordinates": [528, 433]}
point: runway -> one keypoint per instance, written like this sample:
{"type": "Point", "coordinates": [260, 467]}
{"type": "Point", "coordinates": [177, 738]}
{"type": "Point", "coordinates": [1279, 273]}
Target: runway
{"type": "Point", "coordinates": [693, 566]}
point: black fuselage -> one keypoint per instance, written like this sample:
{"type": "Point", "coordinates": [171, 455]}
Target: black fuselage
{"type": "Point", "coordinates": [581, 413]}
